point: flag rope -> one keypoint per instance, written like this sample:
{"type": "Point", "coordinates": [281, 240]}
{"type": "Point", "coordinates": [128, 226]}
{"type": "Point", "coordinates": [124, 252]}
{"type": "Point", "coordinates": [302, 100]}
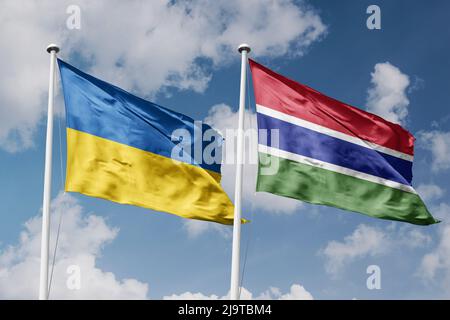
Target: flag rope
{"type": "Point", "coordinates": [61, 214]}
{"type": "Point", "coordinates": [250, 234]}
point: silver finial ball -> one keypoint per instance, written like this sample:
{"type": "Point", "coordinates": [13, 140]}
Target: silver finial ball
{"type": "Point", "coordinates": [244, 47]}
{"type": "Point", "coordinates": [52, 47]}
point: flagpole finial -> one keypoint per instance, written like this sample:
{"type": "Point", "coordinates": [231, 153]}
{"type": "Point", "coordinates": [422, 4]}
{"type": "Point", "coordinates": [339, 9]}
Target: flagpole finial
{"type": "Point", "coordinates": [52, 47]}
{"type": "Point", "coordinates": [244, 47]}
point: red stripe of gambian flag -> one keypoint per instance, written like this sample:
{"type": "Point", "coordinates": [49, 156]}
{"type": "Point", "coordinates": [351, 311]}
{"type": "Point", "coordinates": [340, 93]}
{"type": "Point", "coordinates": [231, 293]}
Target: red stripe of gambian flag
{"type": "Point", "coordinates": [284, 95]}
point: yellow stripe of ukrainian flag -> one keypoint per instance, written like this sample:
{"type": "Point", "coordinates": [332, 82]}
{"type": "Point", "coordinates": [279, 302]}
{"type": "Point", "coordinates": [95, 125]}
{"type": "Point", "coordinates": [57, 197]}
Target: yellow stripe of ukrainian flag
{"type": "Point", "coordinates": [110, 170]}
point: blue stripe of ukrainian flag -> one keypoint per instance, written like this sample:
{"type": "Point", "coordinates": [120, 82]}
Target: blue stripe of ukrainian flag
{"type": "Point", "coordinates": [121, 148]}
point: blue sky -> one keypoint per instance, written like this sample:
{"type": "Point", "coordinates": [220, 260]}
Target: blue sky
{"type": "Point", "coordinates": [193, 67]}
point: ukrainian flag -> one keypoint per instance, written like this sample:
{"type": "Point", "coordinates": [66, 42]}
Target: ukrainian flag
{"type": "Point", "coordinates": [124, 149]}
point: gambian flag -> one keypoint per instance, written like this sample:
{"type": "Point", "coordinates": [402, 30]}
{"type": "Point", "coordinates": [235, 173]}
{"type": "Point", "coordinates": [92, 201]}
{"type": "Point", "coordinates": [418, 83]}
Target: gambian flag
{"type": "Point", "coordinates": [319, 150]}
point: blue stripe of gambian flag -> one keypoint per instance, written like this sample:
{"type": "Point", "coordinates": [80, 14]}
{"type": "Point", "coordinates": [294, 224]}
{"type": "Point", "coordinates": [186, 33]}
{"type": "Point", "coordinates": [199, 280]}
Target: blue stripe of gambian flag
{"type": "Point", "coordinates": [312, 144]}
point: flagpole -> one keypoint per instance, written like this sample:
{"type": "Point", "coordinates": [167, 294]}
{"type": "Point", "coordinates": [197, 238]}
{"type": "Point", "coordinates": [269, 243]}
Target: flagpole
{"type": "Point", "coordinates": [244, 49]}
{"type": "Point", "coordinates": [45, 239]}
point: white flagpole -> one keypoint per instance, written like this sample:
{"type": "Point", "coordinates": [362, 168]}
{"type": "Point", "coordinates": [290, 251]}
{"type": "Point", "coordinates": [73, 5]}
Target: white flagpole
{"type": "Point", "coordinates": [244, 49]}
{"type": "Point", "coordinates": [43, 280]}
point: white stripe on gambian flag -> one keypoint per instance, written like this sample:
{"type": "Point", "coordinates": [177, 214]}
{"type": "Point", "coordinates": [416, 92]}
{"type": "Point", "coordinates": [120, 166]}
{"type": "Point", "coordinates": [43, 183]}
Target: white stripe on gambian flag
{"type": "Point", "coordinates": [332, 167]}
{"type": "Point", "coordinates": [330, 132]}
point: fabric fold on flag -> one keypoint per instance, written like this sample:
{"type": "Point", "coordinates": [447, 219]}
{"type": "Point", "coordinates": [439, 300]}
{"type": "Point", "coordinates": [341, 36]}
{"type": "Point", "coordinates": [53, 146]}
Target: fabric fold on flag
{"type": "Point", "coordinates": [330, 153]}
{"type": "Point", "coordinates": [123, 148]}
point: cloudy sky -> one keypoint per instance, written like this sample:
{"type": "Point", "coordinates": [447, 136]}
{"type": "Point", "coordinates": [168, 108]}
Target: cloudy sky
{"type": "Point", "coordinates": [182, 55]}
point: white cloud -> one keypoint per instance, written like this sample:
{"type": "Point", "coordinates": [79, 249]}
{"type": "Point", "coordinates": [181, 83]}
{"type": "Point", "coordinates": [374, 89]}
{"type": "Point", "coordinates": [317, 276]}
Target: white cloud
{"type": "Point", "coordinates": [441, 211]}
{"type": "Point", "coordinates": [435, 265]}
{"type": "Point", "coordinates": [195, 228]}
{"type": "Point", "coordinates": [26, 30]}
{"type": "Point", "coordinates": [412, 238]}
{"type": "Point", "coordinates": [81, 241]}
{"type": "Point", "coordinates": [143, 46]}
{"type": "Point", "coordinates": [438, 143]}
{"type": "Point", "coordinates": [429, 192]}
{"type": "Point", "coordinates": [364, 241]}
{"type": "Point", "coordinates": [296, 292]}
{"type": "Point", "coordinates": [368, 241]}
{"type": "Point", "coordinates": [387, 95]}
{"type": "Point", "coordinates": [191, 296]}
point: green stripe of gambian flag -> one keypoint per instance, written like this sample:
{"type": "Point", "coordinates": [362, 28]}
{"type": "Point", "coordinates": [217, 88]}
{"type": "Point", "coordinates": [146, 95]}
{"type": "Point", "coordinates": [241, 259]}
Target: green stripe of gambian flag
{"type": "Point", "coordinates": [320, 186]}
